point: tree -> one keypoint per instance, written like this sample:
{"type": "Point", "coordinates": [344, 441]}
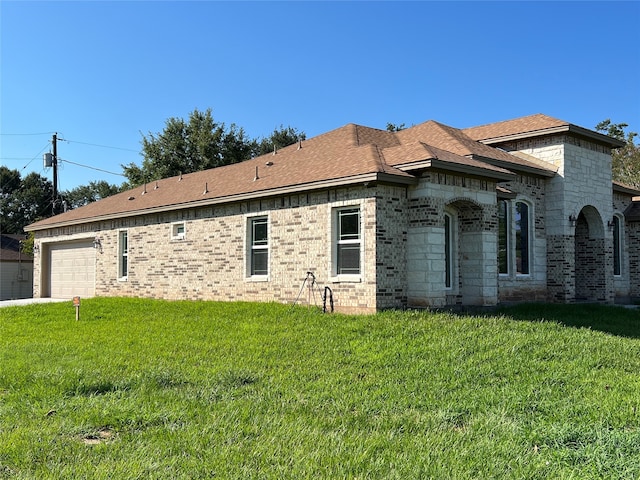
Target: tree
{"type": "Point", "coordinates": [280, 138]}
{"type": "Point", "coordinates": [84, 194]}
{"type": "Point", "coordinates": [625, 160]}
{"type": "Point", "coordinates": [199, 144]}
{"type": "Point", "coordinates": [23, 200]}
{"type": "Point", "coordinates": [184, 147]}
{"type": "Point", "coordinates": [392, 127]}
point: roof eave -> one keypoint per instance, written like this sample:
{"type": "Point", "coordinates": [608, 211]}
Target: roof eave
{"type": "Point", "coordinates": [543, 172]}
{"type": "Point", "coordinates": [583, 132]}
{"type": "Point", "coordinates": [456, 167]}
{"type": "Point", "coordinates": [626, 189]}
{"type": "Point", "coordinates": [368, 178]}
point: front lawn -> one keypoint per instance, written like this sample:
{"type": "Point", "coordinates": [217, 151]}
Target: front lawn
{"type": "Point", "coordinates": [154, 389]}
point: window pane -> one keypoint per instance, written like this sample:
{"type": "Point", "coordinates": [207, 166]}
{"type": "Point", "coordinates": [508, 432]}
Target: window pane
{"type": "Point", "coordinates": [349, 224]}
{"type": "Point", "coordinates": [123, 254]}
{"type": "Point", "coordinates": [260, 231]}
{"type": "Point", "coordinates": [349, 259]}
{"type": "Point", "coordinates": [617, 251]}
{"type": "Point", "coordinates": [259, 262]}
{"type": "Point", "coordinates": [522, 238]}
{"type": "Point", "coordinates": [447, 251]}
{"type": "Point", "coordinates": [503, 252]}
{"type": "Point", "coordinates": [124, 266]}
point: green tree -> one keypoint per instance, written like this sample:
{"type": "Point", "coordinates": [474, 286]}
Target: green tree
{"type": "Point", "coordinates": [198, 144]}
{"type": "Point", "coordinates": [23, 200]}
{"type": "Point", "coordinates": [84, 194]}
{"type": "Point", "coordinates": [392, 127]}
{"type": "Point", "coordinates": [189, 146]}
{"type": "Point", "coordinates": [280, 138]}
{"type": "Point", "coordinates": [625, 160]}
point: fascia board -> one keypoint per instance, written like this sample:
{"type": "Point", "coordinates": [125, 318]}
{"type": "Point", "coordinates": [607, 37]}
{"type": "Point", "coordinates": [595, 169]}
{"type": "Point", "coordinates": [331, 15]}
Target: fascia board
{"type": "Point", "coordinates": [583, 132]}
{"type": "Point", "coordinates": [457, 167]}
{"type": "Point", "coordinates": [334, 183]}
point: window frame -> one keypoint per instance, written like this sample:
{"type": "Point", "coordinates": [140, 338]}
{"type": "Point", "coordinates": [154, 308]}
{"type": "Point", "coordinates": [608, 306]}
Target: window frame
{"type": "Point", "coordinates": [449, 264]}
{"type": "Point", "coordinates": [123, 255]}
{"type": "Point", "coordinates": [617, 234]}
{"type": "Point", "coordinates": [526, 237]}
{"type": "Point", "coordinates": [253, 248]}
{"type": "Point", "coordinates": [504, 224]}
{"type": "Point", "coordinates": [175, 234]}
{"type": "Point", "coordinates": [337, 243]}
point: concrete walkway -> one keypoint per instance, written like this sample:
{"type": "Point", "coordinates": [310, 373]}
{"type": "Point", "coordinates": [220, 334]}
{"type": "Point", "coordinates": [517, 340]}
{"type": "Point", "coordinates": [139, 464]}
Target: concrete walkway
{"type": "Point", "coordinates": [30, 301]}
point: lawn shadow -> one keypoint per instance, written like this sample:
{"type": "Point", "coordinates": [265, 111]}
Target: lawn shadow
{"type": "Point", "coordinates": [614, 320]}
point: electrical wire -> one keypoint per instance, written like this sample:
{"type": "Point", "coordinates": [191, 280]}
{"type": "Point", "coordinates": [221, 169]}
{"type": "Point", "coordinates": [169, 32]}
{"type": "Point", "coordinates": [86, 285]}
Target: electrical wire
{"type": "Point", "coordinates": [102, 146]}
{"type": "Point", "coordinates": [92, 168]}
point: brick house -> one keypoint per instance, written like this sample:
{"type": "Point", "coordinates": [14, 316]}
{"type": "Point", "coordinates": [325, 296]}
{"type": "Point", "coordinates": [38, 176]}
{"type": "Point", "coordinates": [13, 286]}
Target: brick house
{"type": "Point", "coordinates": [428, 216]}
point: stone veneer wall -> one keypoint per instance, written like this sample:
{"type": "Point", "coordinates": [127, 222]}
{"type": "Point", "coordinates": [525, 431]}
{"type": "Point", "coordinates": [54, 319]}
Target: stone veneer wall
{"type": "Point", "coordinates": [472, 203]}
{"type": "Point", "coordinates": [583, 179]}
{"type": "Point", "coordinates": [210, 263]}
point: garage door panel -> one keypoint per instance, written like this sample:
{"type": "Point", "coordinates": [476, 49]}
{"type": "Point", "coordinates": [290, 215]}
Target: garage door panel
{"type": "Point", "coordinates": [72, 269]}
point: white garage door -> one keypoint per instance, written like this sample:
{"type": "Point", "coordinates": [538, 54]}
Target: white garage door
{"type": "Point", "coordinates": [72, 270]}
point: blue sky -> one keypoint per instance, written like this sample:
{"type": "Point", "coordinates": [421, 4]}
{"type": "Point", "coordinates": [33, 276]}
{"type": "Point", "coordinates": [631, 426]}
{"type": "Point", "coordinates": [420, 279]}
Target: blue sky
{"type": "Point", "coordinates": [102, 74]}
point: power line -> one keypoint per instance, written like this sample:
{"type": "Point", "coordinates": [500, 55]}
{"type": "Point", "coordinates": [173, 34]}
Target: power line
{"type": "Point", "coordinates": [25, 134]}
{"type": "Point", "coordinates": [92, 168]}
{"type": "Point", "coordinates": [102, 146]}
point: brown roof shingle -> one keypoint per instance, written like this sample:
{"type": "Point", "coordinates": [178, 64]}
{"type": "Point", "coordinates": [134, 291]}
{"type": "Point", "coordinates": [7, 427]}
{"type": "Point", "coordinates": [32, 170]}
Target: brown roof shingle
{"type": "Point", "coordinates": [350, 154]}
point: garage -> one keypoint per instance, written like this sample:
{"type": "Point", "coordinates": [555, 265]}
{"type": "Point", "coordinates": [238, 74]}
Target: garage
{"type": "Point", "coordinates": [72, 269]}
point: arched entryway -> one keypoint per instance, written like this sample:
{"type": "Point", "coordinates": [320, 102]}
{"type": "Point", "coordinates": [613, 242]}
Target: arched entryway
{"type": "Point", "coordinates": [470, 280]}
{"type": "Point", "coordinates": [591, 280]}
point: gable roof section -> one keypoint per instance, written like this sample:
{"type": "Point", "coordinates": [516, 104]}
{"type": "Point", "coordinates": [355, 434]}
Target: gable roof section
{"type": "Point", "coordinates": [419, 155]}
{"type": "Point", "coordinates": [455, 141]}
{"type": "Point", "coordinates": [533, 126]}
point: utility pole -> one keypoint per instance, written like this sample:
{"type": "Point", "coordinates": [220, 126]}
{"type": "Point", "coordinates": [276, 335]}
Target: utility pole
{"type": "Point", "coordinates": [51, 160]}
{"type": "Point", "coordinates": [54, 208]}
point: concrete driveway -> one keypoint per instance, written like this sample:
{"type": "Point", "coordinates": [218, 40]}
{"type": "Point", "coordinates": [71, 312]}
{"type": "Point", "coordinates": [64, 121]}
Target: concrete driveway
{"type": "Point", "coordinates": [30, 301]}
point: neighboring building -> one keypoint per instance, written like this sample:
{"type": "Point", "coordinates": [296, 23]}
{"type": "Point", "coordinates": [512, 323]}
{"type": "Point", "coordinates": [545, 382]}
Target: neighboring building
{"type": "Point", "coordinates": [429, 216]}
{"type": "Point", "coordinates": [16, 269]}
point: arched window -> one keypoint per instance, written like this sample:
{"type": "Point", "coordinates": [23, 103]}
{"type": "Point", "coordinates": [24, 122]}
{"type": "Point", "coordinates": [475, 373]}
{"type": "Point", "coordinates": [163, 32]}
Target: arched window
{"type": "Point", "coordinates": [448, 250]}
{"type": "Point", "coordinates": [617, 246]}
{"type": "Point", "coordinates": [503, 237]}
{"type": "Point", "coordinates": [522, 222]}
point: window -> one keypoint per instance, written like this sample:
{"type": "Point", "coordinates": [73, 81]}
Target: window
{"type": "Point", "coordinates": [617, 247]}
{"type": "Point", "coordinates": [522, 238]}
{"type": "Point", "coordinates": [178, 231]}
{"type": "Point", "coordinates": [503, 237]}
{"type": "Point", "coordinates": [123, 255]}
{"type": "Point", "coordinates": [259, 245]}
{"type": "Point", "coordinates": [348, 242]}
{"type": "Point", "coordinates": [448, 246]}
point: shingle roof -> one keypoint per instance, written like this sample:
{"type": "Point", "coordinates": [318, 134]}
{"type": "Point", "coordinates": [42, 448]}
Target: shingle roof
{"type": "Point", "coordinates": [347, 155]}
{"type": "Point", "coordinates": [531, 126]}
{"type": "Point", "coordinates": [10, 248]}
{"type": "Point", "coordinates": [456, 141]}
{"type": "Point", "coordinates": [532, 123]}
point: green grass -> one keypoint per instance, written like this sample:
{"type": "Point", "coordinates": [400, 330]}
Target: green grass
{"type": "Point", "coordinates": [153, 389]}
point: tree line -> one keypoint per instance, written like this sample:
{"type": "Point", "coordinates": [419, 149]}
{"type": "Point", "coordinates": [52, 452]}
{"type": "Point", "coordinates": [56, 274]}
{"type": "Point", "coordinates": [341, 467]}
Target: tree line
{"type": "Point", "coordinates": [199, 143]}
{"type": "Point", "coordinates": [184, 146]}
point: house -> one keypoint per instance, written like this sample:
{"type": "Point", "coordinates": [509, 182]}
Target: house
{"type": "Point", "coordinates": [429, 216]}
{"type": "Point", "coordinates": [16, 268]}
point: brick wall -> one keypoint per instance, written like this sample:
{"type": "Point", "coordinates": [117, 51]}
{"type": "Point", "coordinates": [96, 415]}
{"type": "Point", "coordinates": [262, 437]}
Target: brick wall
{"type": "Point", "coordinates": [210, 262]}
